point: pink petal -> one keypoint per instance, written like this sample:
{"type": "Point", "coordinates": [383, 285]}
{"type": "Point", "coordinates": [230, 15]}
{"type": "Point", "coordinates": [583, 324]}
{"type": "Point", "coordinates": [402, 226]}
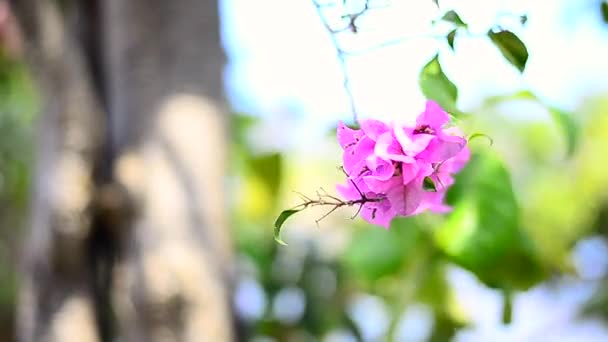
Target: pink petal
{"type": "Point", "coordinates": [373, 128]}
{"type": "Point", "coordinates": [347, 136]}
{"type": "Point", "coordinates": [433, 116]}
{"type": "Point", "coordinates": [349, 192]}
{"type": "Point", "coordinates": [405, 199]}
{"type": "Point", "coordinates": [409, 171]}
{"type": "Point", "coordinates": [388, 148]}
{"type": "Point", "coordinates": [354, 158]}
{"type": "Point", "coordinates": [378, 213]}
{"type": "Point", "coordinates": [380, 169]}
{"type": "Point", "coordinates": [412, 144]}
{"type": "Point", "coordinates": [457, 162]}
{"type": "Point", "coordinates": [381, 186]}
{"type": "Point", "coordinates": [433, 201]}
{"type": "Point", "coordinates": [440, 150]}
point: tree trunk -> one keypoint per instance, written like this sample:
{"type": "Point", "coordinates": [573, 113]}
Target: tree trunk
{"type": "Point", "coordinates": [128, 234]}
{"type": "Point", "coordinates": [56, 301]}
{"type": "Point", "coordinates": [164, 68]}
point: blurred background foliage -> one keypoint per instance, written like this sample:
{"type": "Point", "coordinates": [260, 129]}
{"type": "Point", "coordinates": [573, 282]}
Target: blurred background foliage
{"type": "Point", "coordinates": [521, 208]}
{"type": "Point", "coordinates": [529, 222]}
{"type": "Point", "coordinates": [530, 213]}
{"type": "Point", "coordinates": [17, 109]}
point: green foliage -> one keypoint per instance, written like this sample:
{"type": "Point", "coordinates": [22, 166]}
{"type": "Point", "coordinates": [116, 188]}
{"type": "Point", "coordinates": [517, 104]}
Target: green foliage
{"type": "Point", "coordinates": [604, 10]}
{"type": "Point", "coordinates": [407, 264]}
{"type": "Point", "coordinates": [268, 167]}
{"type": "Point", "coordinates": [568, 126]}
{"type": "Point", "coordinates": [429, 185]}
{"type": "Point", "coordinates": [278, 224]}
{"type": "Point", "coordinates": [480, 135]}
{"type": "Point", "coordinates": [483, 233]}
{"type": "Point", "coordinates": [511, 47]}
{"type": "Point", "coordinates": [437, 86]}
{"type": "Point", "coordinates": [564, 120]}
{"type": "Point", "coordinates": [525, 95]}
{"type": "Point", "coordinates": [453, 17]}
{"type": "Point", "coordinates": [450, 38]}
{"type": "Point", "coordinates": [17, 108]}
{"type": "Point", "coordinates": [362, 256]}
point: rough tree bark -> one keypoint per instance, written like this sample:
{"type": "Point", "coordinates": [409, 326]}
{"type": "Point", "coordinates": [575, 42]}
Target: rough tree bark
{"type": "Point", "coordinates": [128, 233]}
{"type": "Point", "coordinates": [164, 68]}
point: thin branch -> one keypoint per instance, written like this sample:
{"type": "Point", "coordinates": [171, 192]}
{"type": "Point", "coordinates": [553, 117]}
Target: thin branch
{"type": "Point", "coordinates": [302, 196]}
{"type": "Point", "coordinates": [352, 27]}
{"type": "Point", "coordinates": [357, 212]}
{"type": "Point", "coordinates": [325, 215]}
{"type": "Point", "coordinates": [325, 199]}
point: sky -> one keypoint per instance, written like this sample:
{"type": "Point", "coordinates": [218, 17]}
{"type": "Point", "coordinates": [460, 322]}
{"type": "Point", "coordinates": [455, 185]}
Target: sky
{"type": "Point", "coordinates": [282, 58]}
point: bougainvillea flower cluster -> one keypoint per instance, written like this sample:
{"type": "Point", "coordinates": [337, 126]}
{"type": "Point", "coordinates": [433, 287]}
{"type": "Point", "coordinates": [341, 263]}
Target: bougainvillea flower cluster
{"type": "Point", "coordinates": [390, 166]}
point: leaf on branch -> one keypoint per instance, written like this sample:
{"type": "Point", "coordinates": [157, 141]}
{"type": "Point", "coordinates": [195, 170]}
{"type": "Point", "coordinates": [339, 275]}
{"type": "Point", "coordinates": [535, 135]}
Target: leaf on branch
{"type": "Point", "coordinates": [450, 37]}
{"type": "Point", "coordinates": [436, 86]}
{"type": "Point", "coordinates": [511, 47]}
{"type": "Point", "coordinates": [453, 17]}
{"type": "Point", "coordinates": [278, 224]}
{"type": "Point", "coordinates": [429, 185]}
{"type": "Point", "coordinates": [604, 7]}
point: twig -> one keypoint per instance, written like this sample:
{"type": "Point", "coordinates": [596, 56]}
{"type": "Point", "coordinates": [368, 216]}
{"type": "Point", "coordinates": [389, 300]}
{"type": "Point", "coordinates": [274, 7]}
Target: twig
{"type": "Point", "coordinates": [341, 54]}
{"type": "Point", "coordinates": [325, 199]}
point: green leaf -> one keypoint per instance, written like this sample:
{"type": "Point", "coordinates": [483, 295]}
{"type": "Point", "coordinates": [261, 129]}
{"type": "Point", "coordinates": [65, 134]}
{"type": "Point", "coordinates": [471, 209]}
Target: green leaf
{"type": "Point", "coordinates": [482, 234]}
{"type": "Point", "coordinates": [568, 126]}
{"type": "Point", "coordinates": [519, 95]}
{"type": "Point", "coordinates": [480, 135]}
{"type": "Point", "coordinates": [511, 47]}
{"type": "Point", "coordinates": [604, 8]}
{"type": "Point", "coordinates": [450, 37]}
{"type": "Point", "coordinates": [436, 86]}
{"type": "Point", "coordinates": [278, 224]}
{"type": "Point", "coordinates": [429, 185]}
{"type": "Point", "coordinates": [453, 17]}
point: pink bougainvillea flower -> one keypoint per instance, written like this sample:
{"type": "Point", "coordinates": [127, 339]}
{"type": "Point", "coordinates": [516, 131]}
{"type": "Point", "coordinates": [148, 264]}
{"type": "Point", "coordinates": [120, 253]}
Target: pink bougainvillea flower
{"type": "Point", "coordinates": [433, 117]}
{"type": "Point", "coordinates": [347, 137]}
{"type": "Point", "coordinates": [387, 165]}
{"type": "Point", "coordinates": [355, 156]}
{"type": "Point", "coordinates": [374, 128]}
{"type": "Point", "coordinates": [444, 145]}
{"type": "Point", "coordinates": [380, 213]}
